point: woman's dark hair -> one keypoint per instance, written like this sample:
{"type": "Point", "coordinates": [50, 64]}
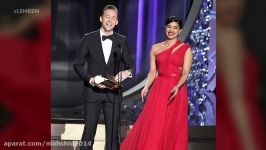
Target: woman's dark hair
{"type": "Point", "coordinates": [174, 19]}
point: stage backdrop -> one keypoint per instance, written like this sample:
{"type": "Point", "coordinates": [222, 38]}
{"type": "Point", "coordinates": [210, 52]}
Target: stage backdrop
{"type": "Point", "coordinates": [142, 21]}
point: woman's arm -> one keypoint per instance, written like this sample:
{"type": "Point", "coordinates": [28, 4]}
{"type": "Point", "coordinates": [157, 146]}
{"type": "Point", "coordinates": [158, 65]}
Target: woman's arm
{"type": "Point", "coordinates": [152, 73]}
{"type": "Point", "coordinates": [185, 71]}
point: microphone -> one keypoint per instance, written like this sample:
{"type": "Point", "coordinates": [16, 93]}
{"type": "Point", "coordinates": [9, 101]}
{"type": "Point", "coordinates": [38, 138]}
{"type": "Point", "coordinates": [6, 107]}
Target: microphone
{"type": "Point", "coordinates": [115, 58]}
{"type": "Point", "coordinates": [120, 47]}
{"type": "Point", "coordinates": [115, 55]}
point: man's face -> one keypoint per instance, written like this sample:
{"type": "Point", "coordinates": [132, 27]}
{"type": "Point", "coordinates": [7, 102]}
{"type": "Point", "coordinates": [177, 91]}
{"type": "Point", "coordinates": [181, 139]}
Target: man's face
{"type": "Point", "coordinates": [109, 20]}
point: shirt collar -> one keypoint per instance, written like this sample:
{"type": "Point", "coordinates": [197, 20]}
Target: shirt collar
{"type": "Point", "coordinates": [102, 33]}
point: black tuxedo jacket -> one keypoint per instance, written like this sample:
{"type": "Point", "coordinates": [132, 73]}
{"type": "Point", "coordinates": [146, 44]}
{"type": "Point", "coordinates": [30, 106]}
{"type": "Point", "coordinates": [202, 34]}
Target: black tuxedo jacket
{"type": "Point", "coordinates": [90, 62]}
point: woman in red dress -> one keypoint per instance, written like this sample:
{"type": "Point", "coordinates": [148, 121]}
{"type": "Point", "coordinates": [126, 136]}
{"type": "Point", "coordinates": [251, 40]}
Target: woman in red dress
{"type": "Point", "coordinates": [163, 123]}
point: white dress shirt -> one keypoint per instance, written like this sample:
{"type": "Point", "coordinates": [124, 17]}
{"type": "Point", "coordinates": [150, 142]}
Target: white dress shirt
{"type": "Point", "coordinates": [107, 47]}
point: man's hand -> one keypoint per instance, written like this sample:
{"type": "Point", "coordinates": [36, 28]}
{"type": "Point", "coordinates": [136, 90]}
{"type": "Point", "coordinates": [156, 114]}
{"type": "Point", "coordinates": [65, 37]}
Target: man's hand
{"type": "Point", "coordinates": [92, 83]}
{"type": "Point", "coordinates": [101, 86]}
{"type": "Point", "coordinates": [122, 75]}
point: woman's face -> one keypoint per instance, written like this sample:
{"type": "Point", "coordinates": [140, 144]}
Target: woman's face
{"type": "Point", "coordinates": [172, 30]}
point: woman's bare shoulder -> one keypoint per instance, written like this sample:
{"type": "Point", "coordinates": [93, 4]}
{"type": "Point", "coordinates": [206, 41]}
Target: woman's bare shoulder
{"type": "Point", "coordinates": [158, 46]}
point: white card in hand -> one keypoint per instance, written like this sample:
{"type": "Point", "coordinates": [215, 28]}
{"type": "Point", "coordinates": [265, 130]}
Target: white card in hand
{"type": "Point", "coordinates": [99, 79]}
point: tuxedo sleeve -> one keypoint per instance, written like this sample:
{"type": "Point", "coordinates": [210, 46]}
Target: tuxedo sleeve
{"type": "Point", "coordinates": [127, 60]}
{"type": "Point", "coordinates": [80, 63]}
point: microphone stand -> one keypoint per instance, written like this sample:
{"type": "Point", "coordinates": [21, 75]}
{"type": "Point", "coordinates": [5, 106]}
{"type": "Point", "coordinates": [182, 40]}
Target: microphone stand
{"type": "Point", "coordinates": [112, 134]}
{"type": "Point", "coordinates": [120, 92]}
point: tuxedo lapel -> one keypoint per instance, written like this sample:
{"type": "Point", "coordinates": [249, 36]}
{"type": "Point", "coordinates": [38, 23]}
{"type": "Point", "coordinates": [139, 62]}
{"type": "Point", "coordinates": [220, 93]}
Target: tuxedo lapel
{"type": "Point", "coordinates": [114, 47]}
{"type": "Point", "coordinates": [99, 46]}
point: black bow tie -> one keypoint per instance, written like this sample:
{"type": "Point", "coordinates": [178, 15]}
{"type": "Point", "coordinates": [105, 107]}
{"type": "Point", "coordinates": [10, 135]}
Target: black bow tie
{"type": "Point", "coordinates": [110, 37]}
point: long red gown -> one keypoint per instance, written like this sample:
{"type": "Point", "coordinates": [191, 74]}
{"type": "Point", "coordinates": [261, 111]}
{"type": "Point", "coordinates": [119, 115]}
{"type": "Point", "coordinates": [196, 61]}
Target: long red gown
{"type": "Point", "coordinates": [163, 125]}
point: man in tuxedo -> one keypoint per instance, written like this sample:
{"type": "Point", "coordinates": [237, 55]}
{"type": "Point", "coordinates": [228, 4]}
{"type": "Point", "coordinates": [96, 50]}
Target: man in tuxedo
{"type": "Point", "coordinates": [101, 52]}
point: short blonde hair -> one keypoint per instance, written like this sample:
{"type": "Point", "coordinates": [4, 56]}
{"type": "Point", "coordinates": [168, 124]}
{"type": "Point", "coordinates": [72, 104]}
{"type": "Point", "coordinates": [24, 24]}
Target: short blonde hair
{"type": "Point", "coordinates": [112, 7]}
